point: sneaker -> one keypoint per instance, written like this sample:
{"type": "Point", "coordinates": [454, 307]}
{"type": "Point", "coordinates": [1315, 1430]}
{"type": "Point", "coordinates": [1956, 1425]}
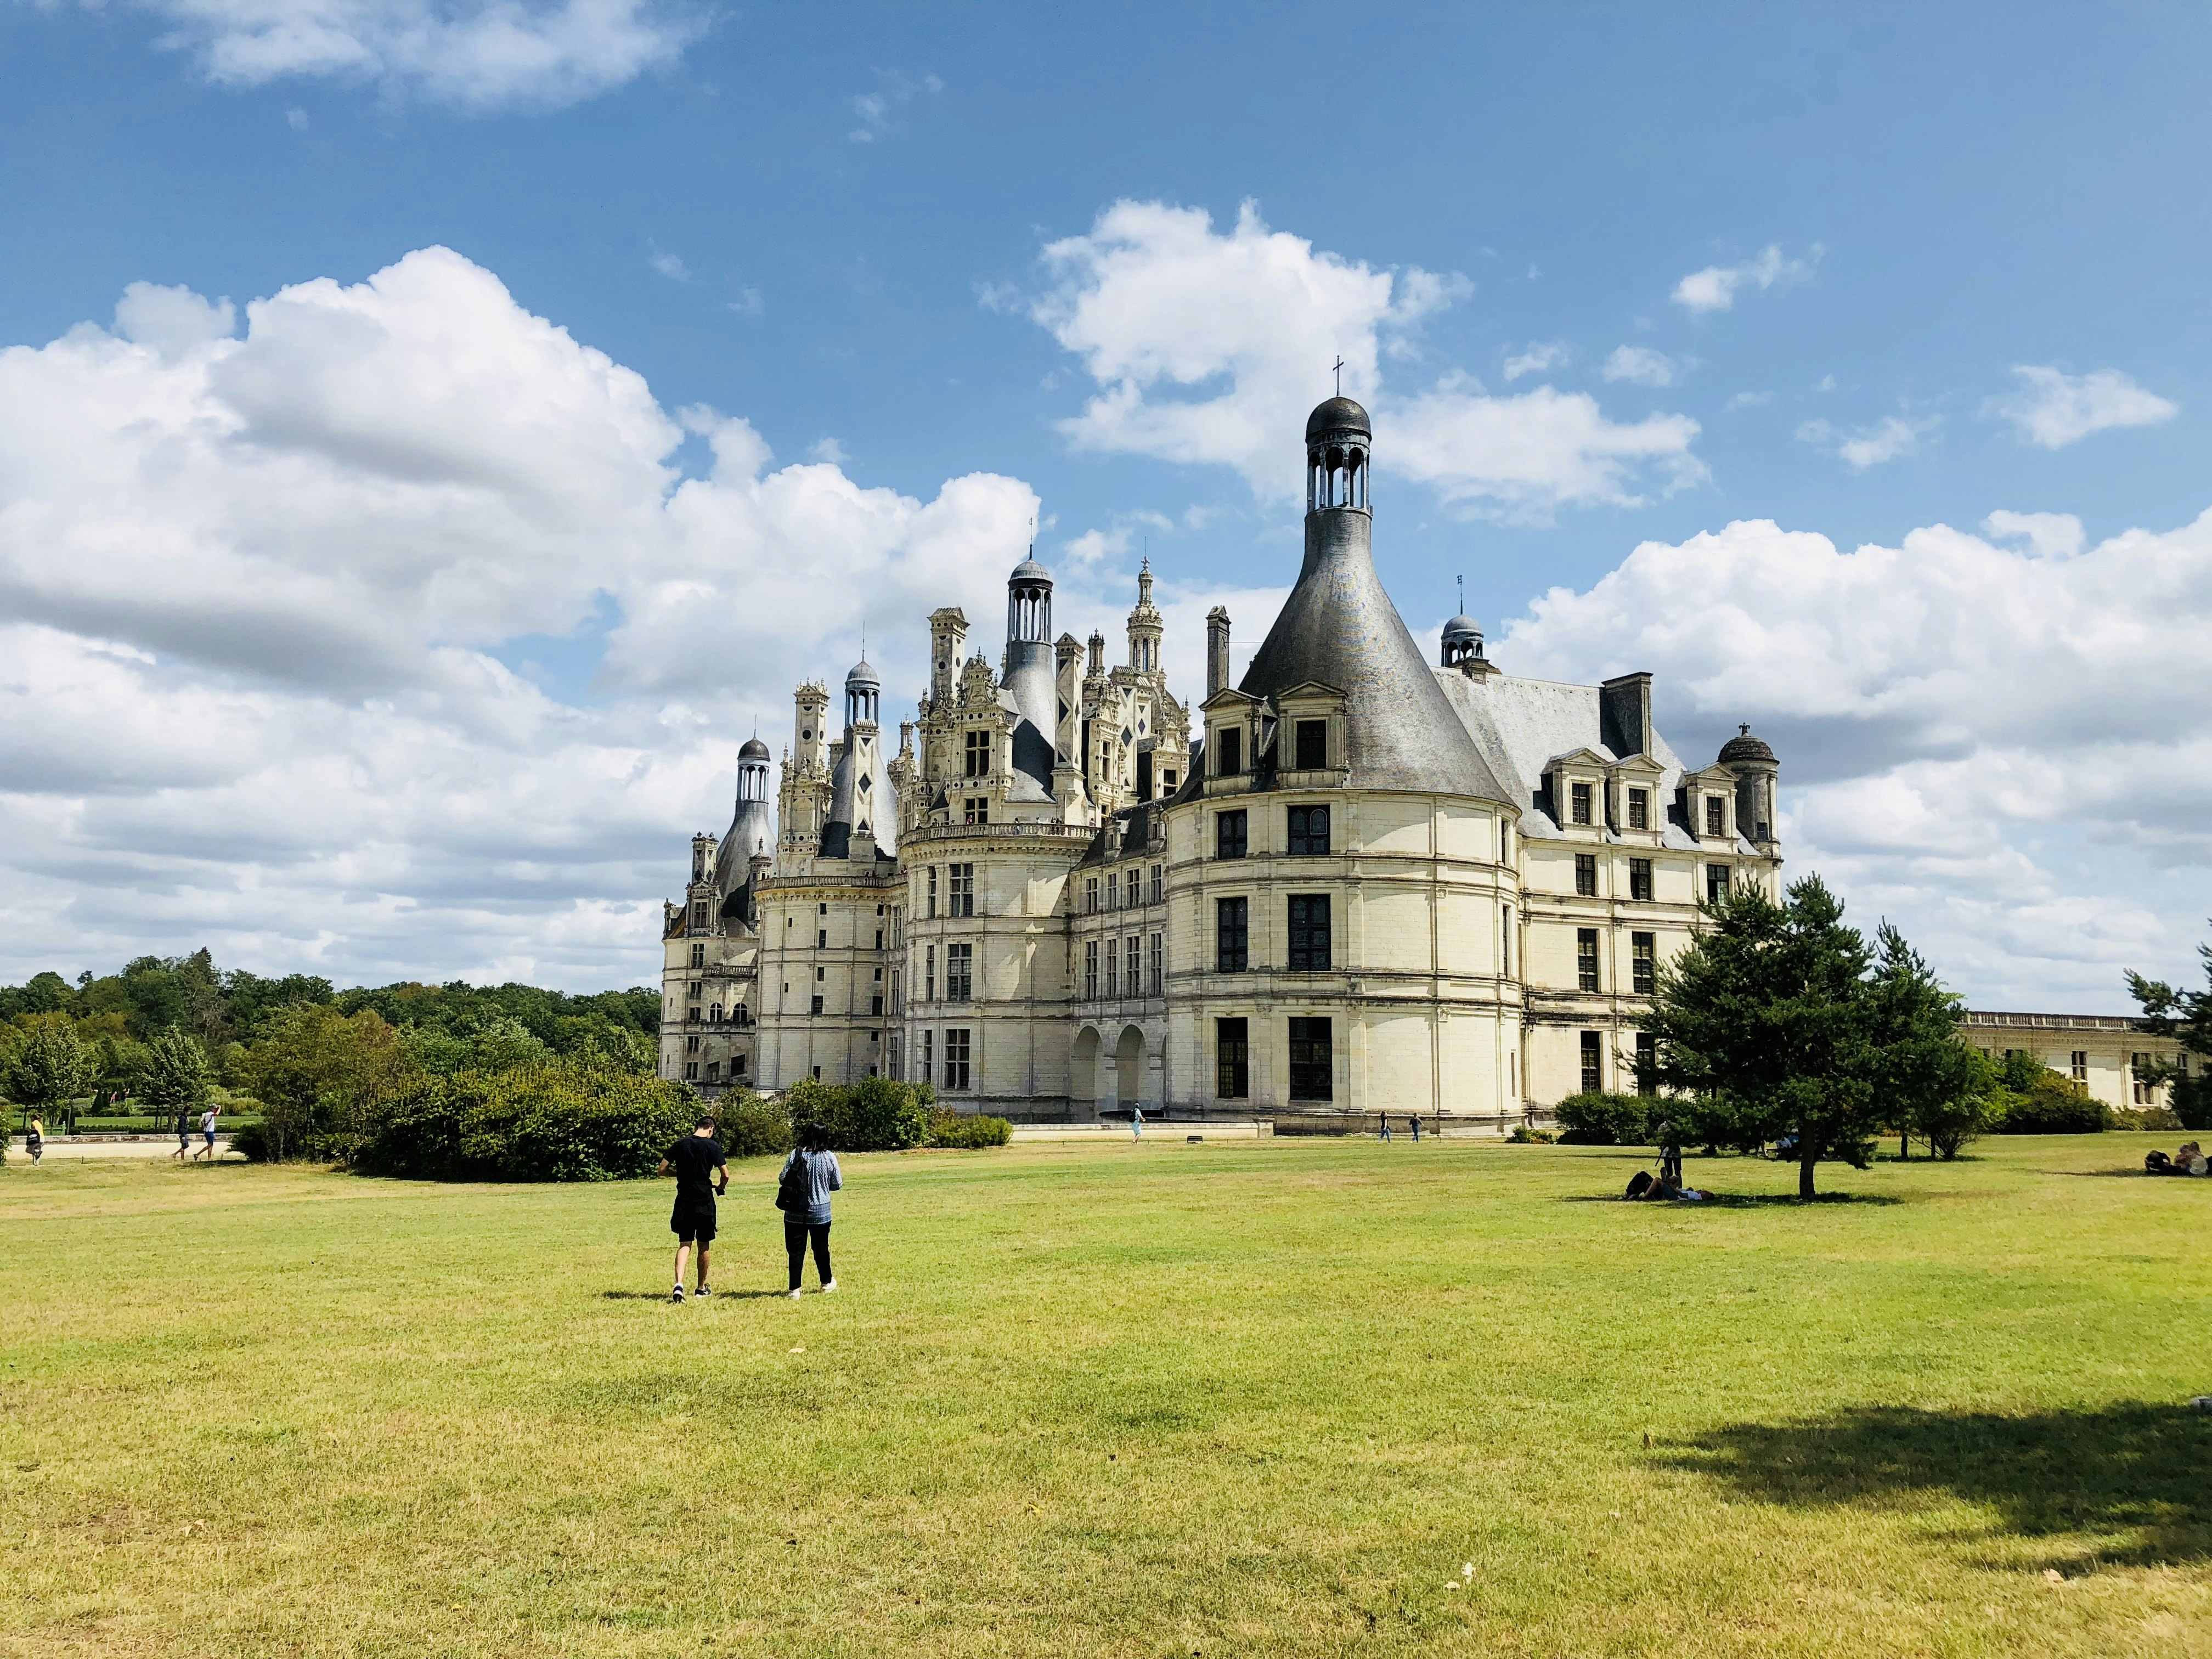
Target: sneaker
{"type": "Point", "coordinates": [702, 1292]}
{"type": "Point", "coordinates": [793, 1295]}
{"type": "Point", "coordinates": [676, 1295]}
{"type": "Point", "coordinates": [830, 1286]}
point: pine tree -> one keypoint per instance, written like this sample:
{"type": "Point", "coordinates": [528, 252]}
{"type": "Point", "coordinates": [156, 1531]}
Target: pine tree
{"type": "Point", "coordinates": [2185, 1016]}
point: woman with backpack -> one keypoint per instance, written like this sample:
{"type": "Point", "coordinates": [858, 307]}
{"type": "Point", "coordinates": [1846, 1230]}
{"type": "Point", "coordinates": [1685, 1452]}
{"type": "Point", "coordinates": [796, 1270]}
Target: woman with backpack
{"type": "Point", "coordinates": [802, 1192]}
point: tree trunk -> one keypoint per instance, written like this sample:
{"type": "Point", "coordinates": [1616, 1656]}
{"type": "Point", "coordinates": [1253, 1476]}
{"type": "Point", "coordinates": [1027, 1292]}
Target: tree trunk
{"type": "Point", "coordinates": [1805, 1178]}
{"type": "Point", "coordinates": [1903, 1147]}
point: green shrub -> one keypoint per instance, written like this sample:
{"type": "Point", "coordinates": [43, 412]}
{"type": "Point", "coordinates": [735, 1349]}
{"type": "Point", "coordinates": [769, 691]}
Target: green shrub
{"type": "Point", "coordinates": [2051, 1105]}
{"type": "Point", "coordinates": [567, 1121]}
{"type": "Point", "coordinates": [1523, 1136]}
{"type": "Point", "coordinates": [1597, 1119]}
{"type": "Point", "coordinates": [250, 1141]}
{"type": "Point", "coordinates": [967, 1131]}
{"type": "Point", "coordinates": [875, 1114]}
{"type": "Point", "coordinates": [2146, 1117]}
{"type": "Point", "coordinates": [749, 1127]}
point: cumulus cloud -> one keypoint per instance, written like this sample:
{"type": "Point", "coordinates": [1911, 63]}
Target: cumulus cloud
{"type": "Point", "coordinates": [1714, 287]}
{"type": "Point", "coordinates": [1641, 365]}
{"type": "Point", "coordinates": [1977, 741]}
{"type": "Point", "coordinates": [2052, 409]}
{"type": "Point", "coordinates": [1870, 446]}
{"type": "Point", "coordinates": [670, 266]}
{"type": "Point", "coordinates": [1210, 346]}
{"type": "Point", "coordinates": [260, 585]}
{"type": "Point", "coordinates": [479, 55]}
{"type": "Point", "coordinates": [1538, 357]}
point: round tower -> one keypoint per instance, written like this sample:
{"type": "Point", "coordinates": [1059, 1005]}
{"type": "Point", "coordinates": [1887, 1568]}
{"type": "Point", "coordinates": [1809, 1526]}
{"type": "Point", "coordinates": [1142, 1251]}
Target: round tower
{"type": "Point", "coordinates": [1338, 441]}
{"type": "Point", "coordinates": [1757, 776]}
{"type": "Point", "coordinates": [1145, 625]}
{"type": "Point", "coordinates": [1030, 669]}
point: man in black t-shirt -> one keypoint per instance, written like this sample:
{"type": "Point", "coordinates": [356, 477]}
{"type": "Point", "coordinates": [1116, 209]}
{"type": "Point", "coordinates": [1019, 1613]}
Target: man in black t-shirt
{"type": "Point", "coordinates": [697, 1159]}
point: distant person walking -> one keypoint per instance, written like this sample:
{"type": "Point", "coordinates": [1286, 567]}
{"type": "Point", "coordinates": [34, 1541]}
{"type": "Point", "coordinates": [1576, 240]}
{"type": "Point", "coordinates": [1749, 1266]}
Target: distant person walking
{"type": "Point", "coordinates": [1386, 1126]}
{"type": "Point", "coordinates": [34, 1138]}
{"type": "Point", "coordinates": [810, 1174]}
{"type": "Point", "coordinates": [184, 1134]}
{"type": "Point", "coordinates": [207, 1136]}
{"type": "Point", "coordinates": [697, 1159]}
{"type": "Point", "coordinates": [1136, 1123]}
{"type": "Point", "coordinates": [1416, 1122]}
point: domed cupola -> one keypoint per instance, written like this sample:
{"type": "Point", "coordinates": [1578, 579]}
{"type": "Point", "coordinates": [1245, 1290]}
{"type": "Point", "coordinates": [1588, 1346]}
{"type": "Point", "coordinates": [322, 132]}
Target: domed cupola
{"type": "Point", "coordinates": [1338, 443]}
{"type": "Point", "coordinates": [1462, 640]}
{"type": "Point", "coordinates": [1745, 747]}
{"type": "Point", "coordinates": [863, 691]}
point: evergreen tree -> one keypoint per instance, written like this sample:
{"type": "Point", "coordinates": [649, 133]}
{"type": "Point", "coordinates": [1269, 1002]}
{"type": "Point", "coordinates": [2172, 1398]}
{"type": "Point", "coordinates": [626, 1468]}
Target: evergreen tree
{"type": "Point", "coordinates": [1768, 1014]}
{"type": "Point", "coordinates": [2185, 1016]}
{"type": "Point", "coordinates": [1930, 1083]}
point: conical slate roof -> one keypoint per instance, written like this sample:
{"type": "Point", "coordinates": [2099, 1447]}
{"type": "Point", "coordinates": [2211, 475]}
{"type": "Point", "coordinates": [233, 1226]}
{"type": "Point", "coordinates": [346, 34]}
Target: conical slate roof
{"type": "Point", "coordinates": [1340, 628]}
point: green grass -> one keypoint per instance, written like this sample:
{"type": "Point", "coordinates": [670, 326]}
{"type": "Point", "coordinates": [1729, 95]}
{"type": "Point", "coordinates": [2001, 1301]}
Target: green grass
{"type": "Point", "coordinates": [1256, 1399]}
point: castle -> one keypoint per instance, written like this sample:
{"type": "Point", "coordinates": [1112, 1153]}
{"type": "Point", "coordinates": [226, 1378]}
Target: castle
{"type": "Point", "coordinates": [1368, 884]}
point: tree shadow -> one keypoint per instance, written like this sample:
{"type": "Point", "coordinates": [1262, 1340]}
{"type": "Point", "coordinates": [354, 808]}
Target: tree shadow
{"type": "Point", "coordinates": [2122, 1484]}
{"type": "Point", "coordinates": [1738, 1201]}
{"type": "Point", "coordinates": [662, 1295]}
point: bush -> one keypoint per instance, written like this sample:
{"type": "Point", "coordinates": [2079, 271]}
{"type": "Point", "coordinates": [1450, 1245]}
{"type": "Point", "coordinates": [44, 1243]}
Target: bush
{"type": "Point", "coordinates": [749, 1127]}
{"type": "Point", "coordinates": [2052, 1105]}
{"type": "Point", "coordinates": [967, 1131]}
{"type": "Point", "coordinates": [2146, 1117]}
{"type": "Point", "coordinates": [1523, 1136]}
{"type": "Point", "coordinates": [1597, 1119]}
{"type": "Point", "coordinates": [560, 1122]}
{"type": "Point", "coordinates": [873, 1116]}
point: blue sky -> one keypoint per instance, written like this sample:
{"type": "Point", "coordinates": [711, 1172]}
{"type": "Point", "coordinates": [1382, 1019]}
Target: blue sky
{"type": "Point", "coordinates": [1608, 277]}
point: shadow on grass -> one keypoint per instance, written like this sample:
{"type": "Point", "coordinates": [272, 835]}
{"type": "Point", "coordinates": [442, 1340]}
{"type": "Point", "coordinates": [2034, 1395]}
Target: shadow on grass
{"type": "Point", "coordinates": [2129, 1475]}
{"type": "Point", "coordinates": [1741, 1200]}
{"type": "Point", "coordinates": [662, 1295]}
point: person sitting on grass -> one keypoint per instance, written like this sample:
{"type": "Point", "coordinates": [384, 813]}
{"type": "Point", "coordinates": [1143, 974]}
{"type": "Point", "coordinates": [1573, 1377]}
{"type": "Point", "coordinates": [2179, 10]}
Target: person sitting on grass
{"type": "Point", "coordinates": [1643, 1187]}
{"type": "Point", "coordinates": [696, 1158]}
{"type": "Point", "coordinates": [809, 1175]}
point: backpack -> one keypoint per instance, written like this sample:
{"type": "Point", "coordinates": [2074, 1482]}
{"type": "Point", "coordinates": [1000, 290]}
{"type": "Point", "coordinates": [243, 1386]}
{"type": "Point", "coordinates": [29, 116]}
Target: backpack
{"type": "Point", "coordinates": [794, 1187]}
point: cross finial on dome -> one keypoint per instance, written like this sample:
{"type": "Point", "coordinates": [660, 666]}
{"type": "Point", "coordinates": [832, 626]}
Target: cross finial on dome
{"type": "Point", "coordinates": [1744, 729]}
{"type": "Point", "coordinates": [1337, 368]}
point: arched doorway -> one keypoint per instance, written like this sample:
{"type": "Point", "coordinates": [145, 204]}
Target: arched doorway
{"type": "Point", "coordinates": [1082, 1070]}
{"type": "Point", "coordinates": [1129, 1065]}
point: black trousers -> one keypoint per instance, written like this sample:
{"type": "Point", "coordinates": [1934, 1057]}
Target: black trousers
{"type": "Point", "coordinates": [795, 1235]}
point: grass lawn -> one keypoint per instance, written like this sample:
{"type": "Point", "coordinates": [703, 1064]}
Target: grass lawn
{"type": "Point", "coordinates": [1259, 1399]}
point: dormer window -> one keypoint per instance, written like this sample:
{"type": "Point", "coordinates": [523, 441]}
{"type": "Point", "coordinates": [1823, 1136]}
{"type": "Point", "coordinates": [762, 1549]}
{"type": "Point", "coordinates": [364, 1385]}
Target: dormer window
{"type": "Point", "coordinates": [1716, 816]}
{"type": "Point", "coordinates": [1229, 751]}
{"type": "Point", "coordinates": [1578, 799]}
{"type": "Point", "coordinates": [1639, 809]}
{"type": "Point", "coordinates": [978, 759]}
{"type": "Point", "coordinates": [1312, 746]}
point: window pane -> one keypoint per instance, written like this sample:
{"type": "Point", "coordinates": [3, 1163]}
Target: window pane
{"type": "Point", "coordinates": [1586, 958]}
{"type": "Point", "coordinates": [1229, 748]}
{"type": "Point", "coordinates": [1230, 935]}
{"type": "Point", "coordinates": [1310, 940]}
{"type": "Point", "coordinates": [1312, 1073]}
{"type": "Point", "coordinates": [1229, 835]}
{"type": "Point", "coordinates": [1232, 1060]}
{"type": "Point", "coordinates": [1639, 809]}
{"type": "Point", "coordinates": [1309, 831]}
{"type": "Point", "coordinates": [1313, 745]}
{"type": "Point", "coordinates": [1586, 874]}
{"type": "Point", "coordinates": [1593, 1064]}
{"type": "Point", "coordinates": [1579, 795]}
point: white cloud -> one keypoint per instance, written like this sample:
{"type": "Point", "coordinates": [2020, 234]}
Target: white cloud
{"type": "Point", "coordinates": [668, 265]}
{"type": "Point", "coordinates": [829, 450]}
{"type": "Point", "coordinates": [749, 302]}
{"type": "Point", "coordinates": [2052, 409]}
{"type": "Point", "coordinates": [1540, 356]}
{"type": "Point", "coordinates": [1210, 346]}
{"type": "Point", "coordinates": [875, 110]}
{"type": "Point", "coordinates": [1714, 287]}
{"type": "Point", "coordinates": [2052, 535]}
{"type": "Point", "coordinates": [258, 589]}
{"type": "Point", "coordinates": [1870, 445]}
{"type": "Point", "coordinates": [1747, 400]}
{"type": "Point", "coordinates": [479, 55]}
{"type": "Point", "coordinates": [1979, 742]}
{"type": "Point", "coordinates": [1641, 365]}
{"type": "Point", "coordinates": [296, 118]}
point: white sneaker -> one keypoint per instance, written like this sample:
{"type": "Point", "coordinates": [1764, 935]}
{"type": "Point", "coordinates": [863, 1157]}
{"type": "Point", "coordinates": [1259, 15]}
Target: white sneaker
{"type": "Point", "coordinates": [830, 1286]}
{"type": "Point", "coordinates": [793, 1295]}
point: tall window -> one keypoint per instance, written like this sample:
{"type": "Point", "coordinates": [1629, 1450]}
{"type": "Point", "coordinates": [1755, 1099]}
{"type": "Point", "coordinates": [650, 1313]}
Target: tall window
{"type": "Point", "coordinates": [956, 1061]}
{"type": "Point", "coordinates": [1586, 958]}
{"type": "Point", "coordinates": [977, 808]}
{"type": "Point", "coordinates": [1578, 797]}
{"type": "Point", "coordinates": [932, 890]}
{"type": "Point", "coordinates": [961, 884]}
{"type": "Point", "coordinates": [1311, 1053]}
{"type": "Point", "coordinates": [1090, 895]}
{"type": "Point", "coordinates": [1113, 889]}
{"type": "Point", "coordinates": [1232, 1060]}
{"type": "Point", "coordinates": [1716, 816]}
{"type": "Point", "coordinates": [929, 973]}
{"type": "Point", "coordinates": [1231, 934]}
{"type": "Point", "coordinates": [1308, 932]}
{"type": "Point", "coordinates": [816, 1006]}
{"type": "Point", "coordinates": [1090, 971]}
{"type": "Point", "coordinates": [978, 759]}
{"type": "Point", "coordinates": [1586, 874]}
{"type": "Point", "coordinates": [691, 991]}
{"type": "Point", "coordinates": [1644, 964]}
{"type": "Point", "coordinates": [1229, 835]}
{"type": "Point", "coordinates": [1313, 745]}
{"type": "Point", "coordinates": [1647, 1062]}
{"type": "Point", "coordinates": [928, 1054]}
{"type": "Point", "coordinates": [959, 971]}
{"type": "Point", "coordinates": [822, 938]}
{"type": "Point", "coordinates": [1157, 964]}
{"type": "Point", "coordinates": [1639, 809]}
{"type": "Point", "coordinates": [1593, 1064]}
{"type": "Point", "coordinates": [1131, 964]}
{"type": "Point", "coordinates": [1229, 751]}
{"type": "Point", "coordinates": [1639, 879]}
{"type": "Point", "coordinates": [1154, 897]}
{"type": "Point", "coordinates": [1309, 831]}
{"type": "Point", "coordinates": [2081, 1066]}
{"type": "Point", "coordinates": [698, 913]}
{"type": "Point", "coordinates": [876, 1004]}
{"type": "Point", "coordinates": [698, 956]}
{"type": "Point", "coordinates": [2145, 1093]}
{"type": "Point", "coordinates": [691, 1070]}
{"type": "Point", "coordinates": [1716, 883]}
{"type": "Point", "coordinates": [1505, 944]}
{"type": "Point", "coordinates": [1113, 966]}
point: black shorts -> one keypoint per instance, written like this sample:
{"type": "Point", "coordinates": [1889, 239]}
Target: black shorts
{"type": "Point", "coordinates": [693, 1223]}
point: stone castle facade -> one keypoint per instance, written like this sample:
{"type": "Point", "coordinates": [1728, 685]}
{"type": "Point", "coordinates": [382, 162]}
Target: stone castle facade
{"type": "Point", "coordinates": [1354, 882]}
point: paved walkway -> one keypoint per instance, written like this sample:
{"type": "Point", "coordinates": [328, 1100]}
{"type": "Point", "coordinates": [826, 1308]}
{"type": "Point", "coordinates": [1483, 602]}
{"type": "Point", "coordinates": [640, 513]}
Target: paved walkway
{"type": "Point", "coordinates": [61, 1148]}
